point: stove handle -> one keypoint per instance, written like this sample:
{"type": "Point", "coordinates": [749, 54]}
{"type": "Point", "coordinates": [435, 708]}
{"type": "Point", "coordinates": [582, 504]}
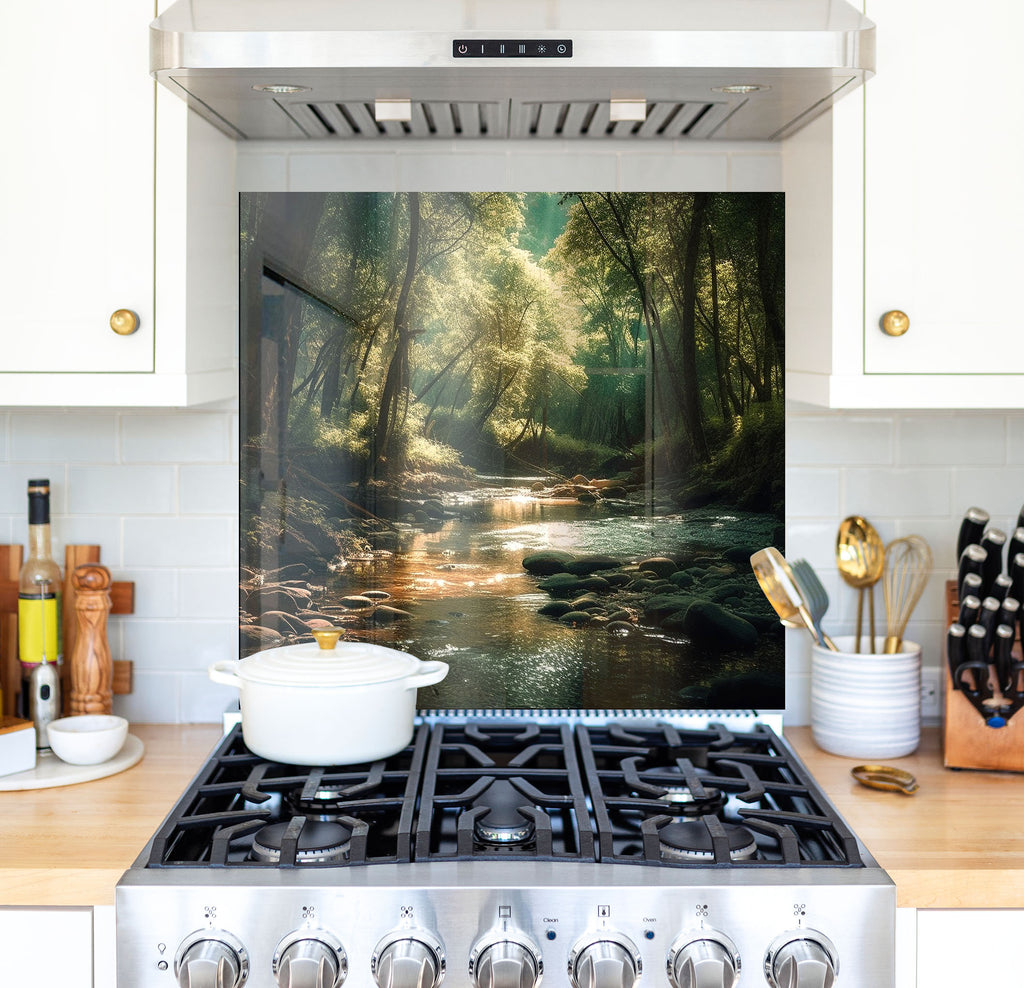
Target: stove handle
{"type": "Point", "coordinates": [211, 959]}
{"type": "Point", "coordinates": [801, 959]}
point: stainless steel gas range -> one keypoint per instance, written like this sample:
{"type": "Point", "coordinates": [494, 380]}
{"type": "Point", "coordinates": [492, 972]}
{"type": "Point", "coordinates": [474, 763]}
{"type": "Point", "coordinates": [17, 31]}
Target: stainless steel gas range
{"type": "Point", "coordinates": [500, 853]}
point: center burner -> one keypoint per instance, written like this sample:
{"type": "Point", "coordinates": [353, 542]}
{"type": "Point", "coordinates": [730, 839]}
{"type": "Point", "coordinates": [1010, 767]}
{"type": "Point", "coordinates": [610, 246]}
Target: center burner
{"type": "Point", "coordinates": [638, 792]}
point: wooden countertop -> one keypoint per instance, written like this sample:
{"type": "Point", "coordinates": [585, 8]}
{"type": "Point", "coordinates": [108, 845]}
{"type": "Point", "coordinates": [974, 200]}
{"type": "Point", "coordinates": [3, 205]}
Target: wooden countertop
{"type": "Point", "coordinates": [69, 846]}
{"type": "Point", "coordinates": [959, 842]}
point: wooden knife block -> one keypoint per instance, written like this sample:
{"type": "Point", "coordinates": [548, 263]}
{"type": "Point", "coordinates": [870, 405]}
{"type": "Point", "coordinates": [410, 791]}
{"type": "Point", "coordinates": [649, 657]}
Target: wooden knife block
{"type": "Point", "coordinates": [967, 741]}
{"type": "Point", "coordinates": [122, 597]}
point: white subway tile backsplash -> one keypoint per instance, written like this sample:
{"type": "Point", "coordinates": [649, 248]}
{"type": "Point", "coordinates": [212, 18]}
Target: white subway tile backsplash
{"type": "Point", "coordinates": [812, 492]}
{"type": "Point", "coordinates": [180, 645]}
{"type": "Point", "coordinates": [755, 172]}
{"type": "Point", "coordinates": [964, 441]}
{"type": "Point", "coordinates": [122, 490]}
{"type": "Point", "coordinates": [673, 173]}
{"type": "Point", "coordinates": [156, 593]}
{"type": "Point", "coordinates": [999, 490]}
{"type": "Point", "coordinates": [209, 593]}
{"type": "Point", "coordinates": [179, 542]}
{"type": "Point", "coordinates": [811, 439]}
{"type": "Point", "coordinates": [342, 172]}
{"type": "Point", "coordinates": [154, 699]}
{"type": "Point", "coordinates": [101, 530]}
{"type": "Point", "coordinates": [897, 492]}
{"type": "Point", "coordinates": [577, 170]}
{"type": "Point", "coordinates": [79, 437]}
{"type": "Point", "coordinates": [176, 437]}
{"type": "Point", "coordinates": [208, 490]}
{"type": "Point", "coordinates": [14, 478]}
{"type": "Point", "coordinates": [203, 701]}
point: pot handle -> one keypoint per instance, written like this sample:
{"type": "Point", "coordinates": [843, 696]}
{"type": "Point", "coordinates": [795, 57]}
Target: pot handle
{"type": "Point", "coordinates": [224, 672]}
{"type": "Point", "coordinates": [429, 673]}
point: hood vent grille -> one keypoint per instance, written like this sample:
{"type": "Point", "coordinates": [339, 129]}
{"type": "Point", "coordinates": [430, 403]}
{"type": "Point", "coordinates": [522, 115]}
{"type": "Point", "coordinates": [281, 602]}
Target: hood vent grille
{"type": "Point", "coordinates": [576, 119]}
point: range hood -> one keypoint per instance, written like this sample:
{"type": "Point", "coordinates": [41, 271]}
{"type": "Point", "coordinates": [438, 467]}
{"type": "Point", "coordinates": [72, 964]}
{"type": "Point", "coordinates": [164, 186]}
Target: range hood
{"type": "Point", "coordinates": [339, 70]}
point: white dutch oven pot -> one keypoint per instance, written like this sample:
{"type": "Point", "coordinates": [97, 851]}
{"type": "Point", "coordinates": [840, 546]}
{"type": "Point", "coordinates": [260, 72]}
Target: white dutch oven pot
{"type": "Point", "coordinates": [317, 705]}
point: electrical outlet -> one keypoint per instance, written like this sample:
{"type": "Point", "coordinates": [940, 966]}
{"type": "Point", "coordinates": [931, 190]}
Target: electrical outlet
{"type": "Point", "coordinates": [931, 694]}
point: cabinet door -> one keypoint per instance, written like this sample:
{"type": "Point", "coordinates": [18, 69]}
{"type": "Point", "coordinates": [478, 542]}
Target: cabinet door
{"type": "Point", "coordinates": [46, 948]}
{"type": "Point", "coordinates": [77, 190]}
{"type": "Point", "coordinates": [944, 133]}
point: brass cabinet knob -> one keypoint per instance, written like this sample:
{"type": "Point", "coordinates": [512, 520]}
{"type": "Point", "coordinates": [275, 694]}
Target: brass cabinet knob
{"type": "Point", "coordinates": [124, 322]}
{"type": "Point", "coordinates": [895, 323]}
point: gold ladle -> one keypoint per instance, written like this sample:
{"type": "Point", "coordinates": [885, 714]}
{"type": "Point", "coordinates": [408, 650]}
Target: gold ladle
{"type": "Point", "coordinates": [776, 580]}
{"type": "Point", "coordinates": [860, 558]}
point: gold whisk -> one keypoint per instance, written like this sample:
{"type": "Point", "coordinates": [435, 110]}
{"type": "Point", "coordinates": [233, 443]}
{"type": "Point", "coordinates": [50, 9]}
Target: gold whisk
{"type": "Point", "coordinates": [908, 563]}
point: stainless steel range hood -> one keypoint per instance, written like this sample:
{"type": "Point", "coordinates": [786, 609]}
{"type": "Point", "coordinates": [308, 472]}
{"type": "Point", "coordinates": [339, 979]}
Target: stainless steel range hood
{"type": "Point", "coordinates": [493, 69]}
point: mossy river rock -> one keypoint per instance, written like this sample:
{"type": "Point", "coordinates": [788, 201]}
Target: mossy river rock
{"type": "Point", "coordinates": [712, 599]}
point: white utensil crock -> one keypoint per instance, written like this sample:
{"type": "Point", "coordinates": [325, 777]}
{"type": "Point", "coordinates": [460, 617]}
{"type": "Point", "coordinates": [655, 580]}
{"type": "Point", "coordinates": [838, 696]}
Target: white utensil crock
{"type": "Point", "coordinates": [303, 705]}
{"type": "Point", "coordinates": [863, 705]}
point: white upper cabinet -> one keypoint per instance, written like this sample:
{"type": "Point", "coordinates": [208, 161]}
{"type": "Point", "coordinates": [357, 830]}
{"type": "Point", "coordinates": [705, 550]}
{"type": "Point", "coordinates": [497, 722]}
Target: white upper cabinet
{"type": "Point", "coordinates": [104, 212]}
{"type": "Point", "coordinates": [903, 200]}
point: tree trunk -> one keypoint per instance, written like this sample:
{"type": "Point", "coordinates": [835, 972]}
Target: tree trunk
{"type": "Point", "coordinates": [688, 328]}
{"type": "Point", "coordinates": [397, 379]}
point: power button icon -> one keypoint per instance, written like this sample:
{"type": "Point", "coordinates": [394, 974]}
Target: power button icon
{"type": "Point", "coordinates": [463, 49]}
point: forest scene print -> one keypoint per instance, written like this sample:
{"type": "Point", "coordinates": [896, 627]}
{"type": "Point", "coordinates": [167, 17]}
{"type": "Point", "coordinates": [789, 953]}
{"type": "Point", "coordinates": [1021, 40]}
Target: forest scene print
{"type": "Point", "coordinates": [534, 435]}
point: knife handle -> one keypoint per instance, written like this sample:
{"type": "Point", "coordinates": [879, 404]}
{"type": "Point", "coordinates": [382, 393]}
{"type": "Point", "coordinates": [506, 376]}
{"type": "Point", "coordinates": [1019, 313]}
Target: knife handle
{"type": "Point", "coordinates": [993, 542]}
{"type": "Point", "coordinates": [955, 650]}
{"type": "Point", "coordinates": [1009, 612]}
{"type": "Point", "coordinates": [1000, 586]}
{"type": "Point", "coordinates": [977, 661]}
{"type": "Point", "coordinates": [1016, 544]}
{"type": "Point", "coordinates": [1002, 661]}
{"type": "Point", "coordinates": [971, 528]}
{"type": "Point", "coordinates": [972, 560]}
{"type": "Point", "coordinates": [970, 608]}
{"type": "Point", "coordinates": [1017, 576]}
{"type": "Point", "coordinates": [989, 618]}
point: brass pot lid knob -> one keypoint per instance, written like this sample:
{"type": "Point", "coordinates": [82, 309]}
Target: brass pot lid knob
{"type": "Point", "coordinates": [327, 638]}
{"type": "Point", "coordinates": [895, 323]}
{"type": "Point", "coordinates": [124, 322]}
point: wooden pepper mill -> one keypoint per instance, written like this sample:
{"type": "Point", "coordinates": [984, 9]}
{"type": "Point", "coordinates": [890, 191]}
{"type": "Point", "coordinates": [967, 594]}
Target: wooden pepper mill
{"type": "Point", "coordinates": [92, 670]}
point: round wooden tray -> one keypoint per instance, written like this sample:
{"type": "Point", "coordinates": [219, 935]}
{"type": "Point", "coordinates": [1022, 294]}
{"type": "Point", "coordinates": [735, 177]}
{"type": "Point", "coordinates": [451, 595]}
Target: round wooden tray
{"type": "Point", "coordinates": [50, 771]}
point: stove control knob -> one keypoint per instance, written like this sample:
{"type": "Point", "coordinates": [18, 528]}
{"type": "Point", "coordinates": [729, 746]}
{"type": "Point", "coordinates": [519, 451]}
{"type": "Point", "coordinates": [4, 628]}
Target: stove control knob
{"type": "Point", "coordinates": [801, 959]}
{"type": "Point", "coordinates": [310, 959]}
{"type": "Point", "coordinates": [606, 960]}
{"type": "Point", "coordinates": [707, 960]}
{"type": "Point", "coordinates": [408, 959]}
{"type": "Point", "coordinates": [505, 960]}
{"type": "Point", "coordinates": [211, 959]}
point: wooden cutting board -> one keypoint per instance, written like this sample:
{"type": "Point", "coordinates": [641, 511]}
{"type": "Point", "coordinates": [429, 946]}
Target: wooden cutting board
{"type": "Point", "coordinates": [51, 772]}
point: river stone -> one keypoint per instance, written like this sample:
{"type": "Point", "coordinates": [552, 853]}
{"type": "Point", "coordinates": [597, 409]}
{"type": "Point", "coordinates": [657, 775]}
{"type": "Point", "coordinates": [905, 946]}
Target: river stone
{"type": "Point", "coordinates": [575, 618]}
{"type": "Point", "coordinates": [548, 562]}
{"type": "Point", "coordinates": [356, 602]}
{"type": "Point", "coordinates": [560, 584]}
{"type": "Point", "coordinates": [659, 565]}
{"type": "Point", "coordinates": [388, 615]}
{"type": "Point", "coordinates": [641, 583]}
{"type": "Point", "coordinates": [740, 554]}
{"type": "Point", "coordinates": [620, 615]}
{"type": "Point", "coordinates": [761, 622]}
{"type": "Point", "coordinates": [621, 629]}
{"type": "Point", "coordinates": [580, 479]}
{"type": "Point", "coordinates": [682, 578]}
{"type": "Point", "coordinates": [595, 583]}
{"type": "Point", "coordinates": [708, 623]}
{"type": "Point", "coordinates": [376, 594]}
{"type": "Point", "coordinates": [254, 637]}
{"type": "Point", "coordinates": [555, 608]}
{"type": "Point", "coordinates": [661, 606]}
{"type": "Point", "coordinates": [616, 579]}
{"type": "Point", "coordinates": [588, 497]}
{"type": "Point", "coordinates": [585, 565]}
{"type": "Point", "coordinates": [538, 485]}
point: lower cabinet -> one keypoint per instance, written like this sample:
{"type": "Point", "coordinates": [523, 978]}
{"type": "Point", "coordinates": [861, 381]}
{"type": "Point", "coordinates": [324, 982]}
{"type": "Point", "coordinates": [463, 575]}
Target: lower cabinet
{"type": "Point", "coordinates": [48, 947]}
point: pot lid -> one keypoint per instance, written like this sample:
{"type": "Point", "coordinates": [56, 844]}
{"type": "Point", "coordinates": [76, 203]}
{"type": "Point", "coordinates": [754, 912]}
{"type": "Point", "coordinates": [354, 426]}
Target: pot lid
{"type": "Point", "coordinates": [347, 664]}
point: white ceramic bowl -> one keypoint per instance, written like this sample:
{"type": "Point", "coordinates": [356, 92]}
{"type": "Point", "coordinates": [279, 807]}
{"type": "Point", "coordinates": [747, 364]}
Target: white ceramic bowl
{"type": "Point", "coordinates": [88, 739]}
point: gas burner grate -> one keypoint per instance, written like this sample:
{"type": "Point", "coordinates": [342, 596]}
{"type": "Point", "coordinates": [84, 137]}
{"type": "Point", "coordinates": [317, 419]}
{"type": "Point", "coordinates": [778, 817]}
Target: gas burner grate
{"type": "Point", "coordinates": [641, 792]}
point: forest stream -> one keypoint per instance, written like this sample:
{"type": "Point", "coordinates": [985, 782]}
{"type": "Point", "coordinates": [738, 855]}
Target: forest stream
{"type": "Point", "coordinates": [473, 605]}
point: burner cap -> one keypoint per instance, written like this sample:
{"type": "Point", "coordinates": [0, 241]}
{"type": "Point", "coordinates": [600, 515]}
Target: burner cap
{"type": "Point", "coordinates": [682, 802]}
{"type": "Point", "coordinates": [691, 841]}
{"type": "Point", "coordinates": [502, 823]}
{"type": "Point", "coordinates": [319, 841]}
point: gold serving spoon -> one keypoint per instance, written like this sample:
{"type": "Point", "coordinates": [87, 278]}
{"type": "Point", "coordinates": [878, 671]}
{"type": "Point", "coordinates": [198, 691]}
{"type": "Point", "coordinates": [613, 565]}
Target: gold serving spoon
{"type": "Point", "coordinates": [776, 580]}
{"type": "Point", "coordinates": [860, 558]}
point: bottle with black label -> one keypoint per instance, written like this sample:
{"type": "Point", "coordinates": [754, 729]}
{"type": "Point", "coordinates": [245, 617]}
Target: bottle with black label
{"type": "Point", "coordinates": [39, 604]}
